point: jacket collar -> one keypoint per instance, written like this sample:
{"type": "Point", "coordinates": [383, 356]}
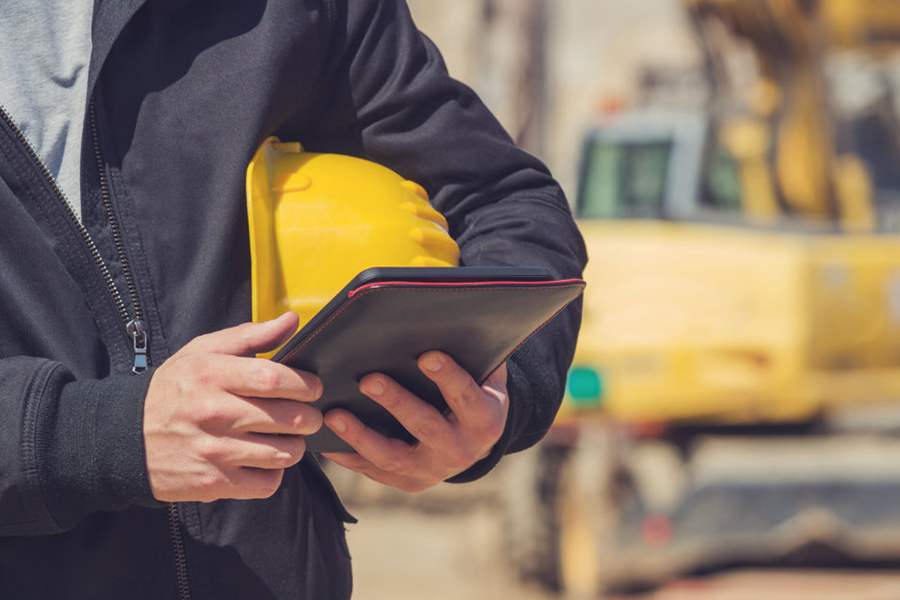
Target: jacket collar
{"type": "Point", "coordinates": [110, 18]}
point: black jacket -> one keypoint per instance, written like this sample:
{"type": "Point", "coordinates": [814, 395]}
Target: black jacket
{"type": "Point", "coordinates": [182, 92]}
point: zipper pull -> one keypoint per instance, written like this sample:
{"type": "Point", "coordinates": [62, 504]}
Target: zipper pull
{"type": "Point", "coordinates": [141, 340]}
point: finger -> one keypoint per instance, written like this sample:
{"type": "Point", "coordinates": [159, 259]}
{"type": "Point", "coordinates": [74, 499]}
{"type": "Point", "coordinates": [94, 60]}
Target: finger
{"type": "Point", "coordinates": [391, 455]}
{"type": "Point", "coordinates": [246, 339]}
{"type": "Point", "coordinates": [350, 460]}
{"type": "Point", "coordinates": [418, 417]}
{"type": "Point", "coordinates": [356, 463]}
{"type": "Point", "coordinates": [249, 483]}
{"type": "Point", "coordinates": [496, 386]}
{"type": "Point", "coordinates": [263, 451]}
{"type": "Point", "coordinates": [262, 378]}
{"type": "Point", "coordinates": [498, 379]}
{"type": "Point", "coordinates": [267, 415]}
{"type": "Point", "coordinates": [465, 398]}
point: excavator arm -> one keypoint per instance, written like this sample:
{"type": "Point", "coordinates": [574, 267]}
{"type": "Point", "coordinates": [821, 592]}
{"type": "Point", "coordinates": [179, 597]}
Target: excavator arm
{"type": "Point", "coordinates": [789, 107]}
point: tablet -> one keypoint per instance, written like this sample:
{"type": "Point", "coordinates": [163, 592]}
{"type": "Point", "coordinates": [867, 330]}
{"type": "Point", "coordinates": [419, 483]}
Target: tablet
{"type": "Point", "coordinates": [387, 317]}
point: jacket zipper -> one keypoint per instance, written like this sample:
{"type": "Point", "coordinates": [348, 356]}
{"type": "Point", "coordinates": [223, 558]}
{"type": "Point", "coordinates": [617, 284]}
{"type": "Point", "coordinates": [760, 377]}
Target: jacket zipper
{"type": "Point", "coordinates": [181, 575]}
{"type": "Point", "coordinates": [134, 323]}
{"type": "Point", "coordinates": [135, 326]}
{"type": "Point", "coordinates": [140, 338]}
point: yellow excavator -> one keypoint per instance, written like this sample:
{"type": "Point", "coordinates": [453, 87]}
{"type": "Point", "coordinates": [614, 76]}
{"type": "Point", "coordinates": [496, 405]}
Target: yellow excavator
{"type": "Point", "coordinates": [738, 373]}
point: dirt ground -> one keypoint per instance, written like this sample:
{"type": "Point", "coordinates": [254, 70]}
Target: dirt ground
{"type": "Point", "coordinates": [405, 554]}
{"type": "Point", "coordinates": [401, 553]}
{"type": "Point", "coordinates": [424, 551]}
{"type": "Point", "coordinates": [785, 585]}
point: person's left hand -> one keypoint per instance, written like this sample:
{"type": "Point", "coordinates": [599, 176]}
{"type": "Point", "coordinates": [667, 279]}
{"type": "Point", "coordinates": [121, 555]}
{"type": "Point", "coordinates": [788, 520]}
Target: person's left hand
{"type": "Point", "coordinates": [447, 445]}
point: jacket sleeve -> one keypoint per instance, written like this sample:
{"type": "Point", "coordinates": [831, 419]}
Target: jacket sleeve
{"type": "Point", "coordinates": [391, 100]}
{"type": "Point", "coordinates": [67, 448]}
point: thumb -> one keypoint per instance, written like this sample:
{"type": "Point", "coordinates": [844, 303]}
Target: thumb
{"type": "Point", "coordinates": [497, 381]}
{"type": "Point", "coordinates": [247, 339]}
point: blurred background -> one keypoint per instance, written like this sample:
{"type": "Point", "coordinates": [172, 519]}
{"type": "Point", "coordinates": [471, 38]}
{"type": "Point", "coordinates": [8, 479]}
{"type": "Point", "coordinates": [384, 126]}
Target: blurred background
{"type": "Point", "coordinates": [730, 426]}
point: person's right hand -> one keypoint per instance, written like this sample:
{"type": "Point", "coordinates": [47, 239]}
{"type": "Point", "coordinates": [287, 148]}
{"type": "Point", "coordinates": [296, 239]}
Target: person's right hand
{"type": "Point", "coordinates": [219, 423]}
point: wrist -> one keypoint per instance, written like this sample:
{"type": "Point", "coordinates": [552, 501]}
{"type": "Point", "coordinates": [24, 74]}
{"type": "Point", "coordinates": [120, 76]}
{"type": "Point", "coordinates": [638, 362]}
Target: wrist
{"type": "Point", "coordinates": [91, 449]}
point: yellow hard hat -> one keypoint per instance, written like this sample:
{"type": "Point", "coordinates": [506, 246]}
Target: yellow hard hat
{"type": "Point", "coordinates": [317, 220]}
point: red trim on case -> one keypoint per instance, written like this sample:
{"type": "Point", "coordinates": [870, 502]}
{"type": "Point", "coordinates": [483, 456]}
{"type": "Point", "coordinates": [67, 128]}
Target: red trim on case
{"type": "Point", "coordinates": [378, 284]}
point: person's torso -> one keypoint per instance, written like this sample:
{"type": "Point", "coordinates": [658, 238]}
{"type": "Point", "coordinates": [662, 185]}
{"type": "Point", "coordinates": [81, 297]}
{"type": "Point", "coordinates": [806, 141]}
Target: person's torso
{"type": "Point", "coordinates": [186, 94]}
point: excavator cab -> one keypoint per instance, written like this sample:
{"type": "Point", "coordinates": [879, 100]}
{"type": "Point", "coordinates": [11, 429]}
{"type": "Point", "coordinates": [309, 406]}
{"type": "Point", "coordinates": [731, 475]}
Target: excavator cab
{"type": "Point", "coordinates": [657, 164]}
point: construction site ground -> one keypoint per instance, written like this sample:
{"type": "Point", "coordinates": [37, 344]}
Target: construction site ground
{"type": "Point", "coordinates": [446, 545]}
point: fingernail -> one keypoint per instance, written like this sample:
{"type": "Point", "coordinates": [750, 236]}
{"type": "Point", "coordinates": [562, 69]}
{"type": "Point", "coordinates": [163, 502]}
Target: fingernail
{"type": "Point", "coordinates": [433, 363]}
{"type": "Point", "coordinates": [337, 424]}
{"type": "Point", "coordinates": [376, 388]}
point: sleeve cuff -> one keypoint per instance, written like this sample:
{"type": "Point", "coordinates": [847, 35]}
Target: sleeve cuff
{"type": "Point", "coordinates": [92, 457]}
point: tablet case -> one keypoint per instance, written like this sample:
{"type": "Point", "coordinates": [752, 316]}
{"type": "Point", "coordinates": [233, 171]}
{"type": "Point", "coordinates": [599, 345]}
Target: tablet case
{"type": "Point", "coordinates": [385, 326]}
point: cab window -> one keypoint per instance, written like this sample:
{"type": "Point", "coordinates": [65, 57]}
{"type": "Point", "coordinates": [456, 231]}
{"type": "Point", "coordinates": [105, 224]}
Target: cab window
{"type": "Point", "coordinates": [624, 179]}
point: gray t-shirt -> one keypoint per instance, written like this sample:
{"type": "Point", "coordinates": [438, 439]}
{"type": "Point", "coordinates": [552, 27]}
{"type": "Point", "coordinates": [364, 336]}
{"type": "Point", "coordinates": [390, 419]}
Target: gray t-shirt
{"type": "Point", "coordinates": [45, 50]}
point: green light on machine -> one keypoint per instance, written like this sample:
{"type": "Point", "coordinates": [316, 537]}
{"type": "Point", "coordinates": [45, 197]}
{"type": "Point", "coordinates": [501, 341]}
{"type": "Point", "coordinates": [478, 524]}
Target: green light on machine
{"type": "Point", "coordinates": [585, 387]}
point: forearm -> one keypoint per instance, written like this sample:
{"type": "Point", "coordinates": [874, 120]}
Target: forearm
{"type": "Point", "coordinates": [394, 102]}
{"type": "Point", "coordinates": [67, 448]}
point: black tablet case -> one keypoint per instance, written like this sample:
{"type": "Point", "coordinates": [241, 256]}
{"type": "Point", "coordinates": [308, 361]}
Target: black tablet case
{"type": "Point", "coordinates": [385, 326]}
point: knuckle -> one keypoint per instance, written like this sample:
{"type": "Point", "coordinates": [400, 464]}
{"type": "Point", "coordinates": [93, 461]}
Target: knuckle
{"type": "Point", "coordinates": [397, 461]}
{"type": "Point", "coordinates": [429, 428]}
{"type": "Point", "coordinates": [394, 464]}
{"type": "Point", "coordinates": [266, 378]}
{"type": "Point", "coordinates": [243, 335]}
{"type": "Point", "coordinates": [469, 395]}
{"type": "Point", "coordinates": [204, 378]}
{"type": "Point", "coordinates": [183, 387]}
{"type": "Point", "coordinates": [200, 368]}
{"type": "Point", "coordinates": [390, 465]}
{"type": "Point", "coordinates": [459, 458]}
{"type": "Point", "coordinates": [494, 430]}
{"type": "Point", "coordinates": [209, 483]}
{"type": "Point", "coordinates": [208, 411]}
{"type": "Point", "coordinates": [210, 449]}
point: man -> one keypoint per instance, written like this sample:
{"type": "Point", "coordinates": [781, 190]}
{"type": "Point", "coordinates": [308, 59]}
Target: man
{"type": "Point", "coordinates": [123, 241]}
